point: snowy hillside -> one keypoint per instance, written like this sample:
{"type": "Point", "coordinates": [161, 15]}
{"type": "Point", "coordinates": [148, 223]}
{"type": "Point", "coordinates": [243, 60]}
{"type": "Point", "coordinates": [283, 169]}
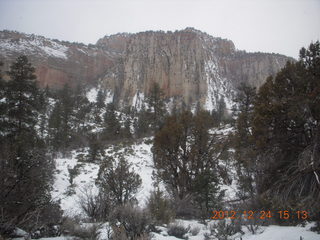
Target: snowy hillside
{"type": "Point", "coordinates": [33, 44]}
{"type": "Point", "coordinates": [139, 155]}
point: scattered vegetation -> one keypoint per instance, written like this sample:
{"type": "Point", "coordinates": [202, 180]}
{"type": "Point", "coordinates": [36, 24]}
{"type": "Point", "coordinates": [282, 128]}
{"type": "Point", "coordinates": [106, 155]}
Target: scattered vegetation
{"type": "Point", "coordinates": [276, 151]}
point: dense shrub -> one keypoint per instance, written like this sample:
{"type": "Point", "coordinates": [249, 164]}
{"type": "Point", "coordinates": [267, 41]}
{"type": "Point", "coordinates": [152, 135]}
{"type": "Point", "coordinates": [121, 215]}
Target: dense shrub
{"type": "Point", "coordinates": [223, 230]}
{"type": "Point", "coordinates": [178, 230]}
{"type": "Point", "coordinates": [95, 205]}
{"type": "Point", "coordinates": [132, 221]}
{"type": "Point", "coordinates": [71, 227]}
{"type": "Point", "coordinates": [160, 207]}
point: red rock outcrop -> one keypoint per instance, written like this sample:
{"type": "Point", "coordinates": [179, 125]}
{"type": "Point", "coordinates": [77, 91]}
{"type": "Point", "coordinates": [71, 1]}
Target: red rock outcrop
{"type": "Point", "coordinates": [191, 66]}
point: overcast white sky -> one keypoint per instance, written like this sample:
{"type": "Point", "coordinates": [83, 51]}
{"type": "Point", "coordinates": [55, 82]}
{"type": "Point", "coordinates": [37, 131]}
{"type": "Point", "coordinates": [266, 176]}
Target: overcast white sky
{"type": "Point", "coordinates": [280, 26]}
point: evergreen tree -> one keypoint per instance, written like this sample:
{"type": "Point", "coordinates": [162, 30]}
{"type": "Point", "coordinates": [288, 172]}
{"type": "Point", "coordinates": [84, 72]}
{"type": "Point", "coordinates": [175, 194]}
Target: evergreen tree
{"type": "Point", "coordinates": [96, 151]}
{"type": "Point", "coordinates": [43, 112]}
{"type": "Point", "coordinates": [184, 158]}
{"type": "Point", "coordinates": [156, 105]}
{"type": "Point", "coordinates": [99, 106]}
{"type": "Point", "coordinates": [21, 96]}
{"type": "Point", "coordinates": [118, 181]}
{"type": "Point", "coordinates": [61, 120]}
{"type": "Point", "coordinates": [56, 136]}
{"type": "Point", "coordinates": [25, 173]}
{"type": "Point", "coordinates": [81, 110]}
{"type": "Point", "coordinates": [126, 132]}
{"type": "Point", "coordinates": [160, 207]}
{"type": "Point", "coordinates": [244, 146]}
{"type": "Point", "coordinates": [112, 124]}
{"type": "Point", "coordinates": [100, 99]}
{"type": "Point", "coordinates": [221, 110]}
{"type": "Point", "coordinates": [285, 131]}
{"type": "Point", "coordinates": [142, 123]}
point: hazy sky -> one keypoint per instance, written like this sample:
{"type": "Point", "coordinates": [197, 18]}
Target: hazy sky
{"type": "Point", "coordinates": [280, 26]}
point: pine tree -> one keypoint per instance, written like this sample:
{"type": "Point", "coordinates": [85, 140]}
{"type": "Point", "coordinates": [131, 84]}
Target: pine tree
{"type": "Point", "coordinates": [56, 136]}
{"type": "Point", "coordinates": [285, 133]}
{"type": "Point", "coordinates": [99, 106]}
{"type": "Point", "coordinates": [244, 146]}
{"type": "Point", "coordinates": [183, 154]}
{"type": "Point", "coordinates": [21, 95]}
{"type": "Point", "coordinates": [126, 132]}
{"type": "Point", "coordinates": [142, 123]}
{"type": "Point", "coordinates": [61, 120]}
{"type": "Point", "coordinates": [43, 110]}
{"type": "Point", "coordinates": [81, 110]}
{"type": "Point", "coordinates": [156, 105]}
{"type": "Point", "coordinates": [221, 110]}
{"type": "Point", "coordinates": [112, 124]}
{"type": "Point", "coordinates": [100, 100]}
{"type": "Point", "coordinates": [96, 151]}
{"type": "Point", "coordinates": [118, 181]}
{"type": "Point", "coordinates": [26, 171]}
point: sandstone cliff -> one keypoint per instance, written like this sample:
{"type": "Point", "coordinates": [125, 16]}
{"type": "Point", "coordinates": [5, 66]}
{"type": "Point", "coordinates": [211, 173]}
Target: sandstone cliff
{"type": "Point", "coordinates": [56, 62]}
{"type": "Point", "coordinates": [191, 66]}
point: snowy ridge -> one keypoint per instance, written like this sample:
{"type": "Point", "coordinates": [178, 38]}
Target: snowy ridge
{"type": "Point", "coordinates": [34, 45]}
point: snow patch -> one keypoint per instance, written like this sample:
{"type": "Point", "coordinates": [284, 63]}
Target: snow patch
{"type": "Point", "coordinates": [218, 87]}
{"type": "Point", "coordinates": [34, 45]}
{"type": "Point", "coordinates": [138, 100]}
{"type": "Point", "coordinates": [67, 193]}
{"type": "Point", "coordinates": [92, 95]}
{"type": "Point", "coordinates": [109, 97]}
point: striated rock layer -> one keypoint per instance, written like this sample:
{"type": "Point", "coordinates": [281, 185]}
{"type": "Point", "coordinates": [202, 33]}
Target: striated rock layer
{"type": "Point", "coordinates": [190, 66]}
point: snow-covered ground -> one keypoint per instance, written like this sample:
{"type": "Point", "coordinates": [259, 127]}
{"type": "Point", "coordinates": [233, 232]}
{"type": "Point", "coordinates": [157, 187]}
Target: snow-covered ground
{"type": "Point", "coordinates": [68, 193]}
{"type": "Point", "coordinates": [140, 156]}
{"type": "Point", "coordinates": [271, 232]}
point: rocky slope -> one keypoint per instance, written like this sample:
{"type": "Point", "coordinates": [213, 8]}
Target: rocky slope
{"type": "Point", "coordinates": [190, 66]}
{"type": "Point", "coordinates": [56, 62]}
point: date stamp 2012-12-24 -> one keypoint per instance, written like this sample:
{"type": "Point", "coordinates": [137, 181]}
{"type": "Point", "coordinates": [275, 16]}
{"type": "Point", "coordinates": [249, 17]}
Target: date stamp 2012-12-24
{"type": "Point", "coordinates": [264, 214]}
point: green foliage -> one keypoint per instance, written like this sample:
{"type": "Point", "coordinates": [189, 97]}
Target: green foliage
{"type": "Point", "coordinates": [96, 151]}
{"type": "Point", "coordinates": [25, 167]}
{"type": "Point", "coordinates": [21, 98]}
{"type": "Point", "coordinates": [223, 230]}
{"type": "Point", "coordinates": [118, 181]}
{"type": "Point", "coordinates": [126, 130]}
{"type": "Point", "coordinates": [184, 156]}
{"type": "Point", "coordinates": [156, 106]}
{"type": "Point", "coordinates": [81, 110]}
{"type": "Point", "coordinates": [60, 121]}
{"type": "Point", "coordinates": [112, 124]}
{"type": "Point", "coordinates": [282, 130]}
{"type": "Point", "coordinates": [142, 123]}
{"type": "Point", "coordinates": [131, 221]}
{"type": "Point", "coordinates": [160, 207]}
{"type": "Point", "coordinates": [100, 99]}
{"type": "Point", "coordinates": [244, 145]}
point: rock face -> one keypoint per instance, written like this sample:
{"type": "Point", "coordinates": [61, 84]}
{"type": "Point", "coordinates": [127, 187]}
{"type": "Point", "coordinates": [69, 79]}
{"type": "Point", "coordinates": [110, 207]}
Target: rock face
{"type": "Point", "coordinates": [56, 62]}
{"type": "Point", "coordinates": [190, 66]}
